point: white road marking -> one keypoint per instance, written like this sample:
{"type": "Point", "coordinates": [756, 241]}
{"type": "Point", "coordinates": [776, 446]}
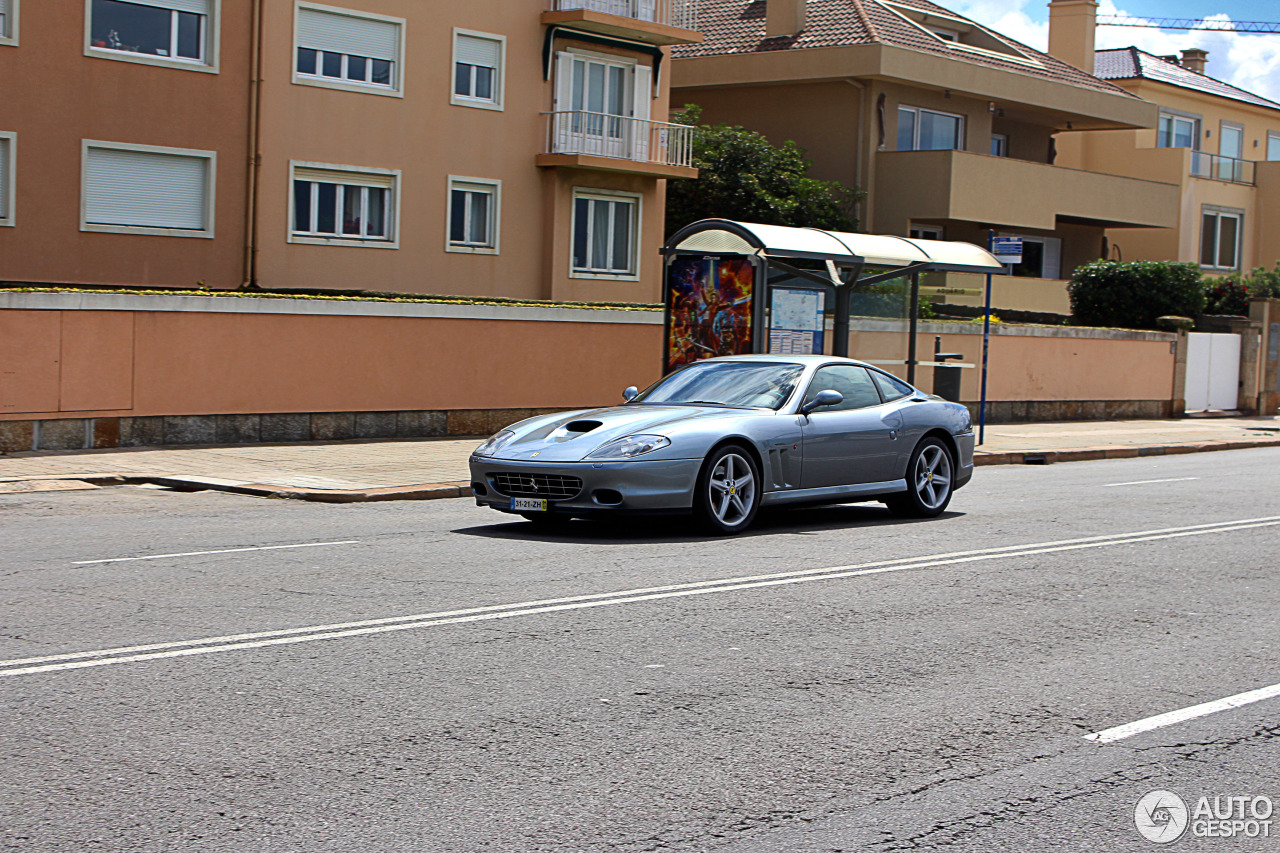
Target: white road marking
{"type": "Point", "coordinates": [221, 551]}
{"type": "Point", "coordinates": [1168, 719]}
{"type": "Point", "coordinates": [261, 639]}
{"type": "Point", "coordinates": [1145, 482]}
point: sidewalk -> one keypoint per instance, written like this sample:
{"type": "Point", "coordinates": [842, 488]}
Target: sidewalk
{"type": "Point", "coordinates": [420, 469]}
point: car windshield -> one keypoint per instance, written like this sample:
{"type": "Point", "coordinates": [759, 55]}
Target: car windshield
{"type": "Point", "coordinates": [727, 383]}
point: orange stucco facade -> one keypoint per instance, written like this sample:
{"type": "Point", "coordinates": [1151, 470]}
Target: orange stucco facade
{"type": "Point", "coordinates": [249, 103]}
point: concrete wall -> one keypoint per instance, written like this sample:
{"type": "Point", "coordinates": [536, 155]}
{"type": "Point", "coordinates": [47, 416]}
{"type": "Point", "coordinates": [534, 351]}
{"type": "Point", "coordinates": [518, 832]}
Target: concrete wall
{"type": "Point", "coordinates": [102, 369]}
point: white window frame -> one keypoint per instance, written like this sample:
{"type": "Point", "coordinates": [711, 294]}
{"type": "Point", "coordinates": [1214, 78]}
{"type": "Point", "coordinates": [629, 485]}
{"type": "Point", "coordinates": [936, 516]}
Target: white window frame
{"type": "Point", "coordinates": [212, 39]}
{"type": "Point", "coordinates": [9, 27]}
{"type": "Point", "coordinates": [933, 232]}
{"type": "Point", "coordinates": [395, 90]}
{"type": "Point", "coordinates": [1220, 213]}
{"type": "Point", "coordinates": [915, 131]}
{"type": "Point", "coordinates": [348, 176]}
{"type": "Point", "coordinates": [1174, 117]}
{"type": "Point", "coordinates": [1051, 255]}
{"type": "Point", "coordinates": [493, 188]}
{"type": "Point", "coordinates": [591, 193]}
{"type": "Point", "coordinates": [500, 84]}
{"type": "Point", "coordinates": [8, 191]}
{"type": "Point", "coordinates": [1003, 139]}
{"type": "Point", "coordinates": [1273, 145]}
{"type": "Point", "coordinates": [210, 195]}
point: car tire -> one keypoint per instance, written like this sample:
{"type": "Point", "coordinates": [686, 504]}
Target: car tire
{"type": "Point", "coordinates": [930, 481]}
{"type": "Point", "coordinates": [728, 491]}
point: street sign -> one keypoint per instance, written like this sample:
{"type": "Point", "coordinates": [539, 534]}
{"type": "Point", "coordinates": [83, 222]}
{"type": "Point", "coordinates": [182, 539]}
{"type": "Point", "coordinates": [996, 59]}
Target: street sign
{"type": "Point", "coordinates": [1008, 250]}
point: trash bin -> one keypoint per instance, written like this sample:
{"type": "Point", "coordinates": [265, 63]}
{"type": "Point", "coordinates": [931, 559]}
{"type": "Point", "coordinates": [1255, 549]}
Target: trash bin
{"type": "Point", "coordinates": [946, 379]}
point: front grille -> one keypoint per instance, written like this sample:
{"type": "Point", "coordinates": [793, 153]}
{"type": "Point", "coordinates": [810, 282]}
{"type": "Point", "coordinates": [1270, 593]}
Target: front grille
{"type": "Point", "coordinates": [553, 486]}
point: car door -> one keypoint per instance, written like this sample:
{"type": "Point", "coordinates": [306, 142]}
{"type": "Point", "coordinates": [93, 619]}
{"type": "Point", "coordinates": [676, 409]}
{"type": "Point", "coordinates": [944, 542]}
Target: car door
{"type": "Point", "coordinates": [853, 442]}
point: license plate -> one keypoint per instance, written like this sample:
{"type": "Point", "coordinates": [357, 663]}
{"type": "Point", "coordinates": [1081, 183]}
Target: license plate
{"type": "Point", "coordinates": [529, 504]}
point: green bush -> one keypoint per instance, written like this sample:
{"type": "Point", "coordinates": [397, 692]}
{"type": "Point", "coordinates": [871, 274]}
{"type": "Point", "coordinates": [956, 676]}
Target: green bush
{"type": "Point", "coordinates": [1227, 294]}
{"type": "Point", "coordinates": [1133, 294]}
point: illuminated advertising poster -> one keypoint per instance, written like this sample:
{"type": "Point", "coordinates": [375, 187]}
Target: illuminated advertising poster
{"type": "Point", "coordinates": [709, 303]}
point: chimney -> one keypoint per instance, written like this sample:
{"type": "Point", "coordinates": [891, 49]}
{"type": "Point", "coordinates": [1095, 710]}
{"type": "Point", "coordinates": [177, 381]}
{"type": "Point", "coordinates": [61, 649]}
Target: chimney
{"type": "Point", "coordinates": [1195, 59]}
{"type": "Point", "coordinates": [1071, 28]}
{"type": "Point", "coordinates": [783, 17]}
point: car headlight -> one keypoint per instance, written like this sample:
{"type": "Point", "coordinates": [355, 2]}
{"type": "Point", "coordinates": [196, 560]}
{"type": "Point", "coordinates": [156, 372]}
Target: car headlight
{"type": "Point", "coordinates": [495, 443]}
{"type": "Point", "coordinates": [632, 445]}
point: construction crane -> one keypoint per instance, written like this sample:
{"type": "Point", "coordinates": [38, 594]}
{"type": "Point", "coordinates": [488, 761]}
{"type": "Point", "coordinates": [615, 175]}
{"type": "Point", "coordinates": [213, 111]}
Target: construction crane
{"type": "Point", "coordinates": [1190, 24]}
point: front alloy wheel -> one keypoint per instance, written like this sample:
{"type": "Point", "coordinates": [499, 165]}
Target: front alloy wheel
{"type": "Point", "coordinates": [728, 493]}
{"type": "Point", "coordinates": [929, 478]}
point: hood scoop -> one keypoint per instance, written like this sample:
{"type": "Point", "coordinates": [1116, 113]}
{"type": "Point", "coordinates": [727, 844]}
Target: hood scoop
{"type": "Point", "coordinates": [580, 426]}
{"type": "Point", "coordinates": [573, 429]}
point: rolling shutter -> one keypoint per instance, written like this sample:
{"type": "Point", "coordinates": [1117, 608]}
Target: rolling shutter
{"type": "Point", "coordinates": [200, 7]}
{"type": "Point", "coordinates": [479, 51]}
{"type": "Point", "coordinates": [145, 189]}
{"type": "Point", "coordinates": [4, 169]}
{"type": "Point", "coordinates": [337, 33]}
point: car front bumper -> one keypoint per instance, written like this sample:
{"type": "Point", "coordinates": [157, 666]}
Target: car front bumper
{"type": "Point", "coordinates": [638, 486]}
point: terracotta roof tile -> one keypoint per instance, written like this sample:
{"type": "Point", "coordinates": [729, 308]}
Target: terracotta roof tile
{"type": "Point", "coordinates": [1129, 63]}
{"type": "Point", "coordinates": [738, 26]}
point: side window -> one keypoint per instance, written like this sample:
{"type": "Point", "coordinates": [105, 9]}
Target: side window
{"type": "Point", "coordinates": [851, 381]}
{"type": "Point", "coordinates": [344, 49]}
{"type": "Point", "coordinates": [890, 387]}
{"type": "Point", "coordinates": [177, 33]}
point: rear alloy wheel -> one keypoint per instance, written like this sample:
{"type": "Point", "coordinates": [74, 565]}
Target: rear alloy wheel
{"type": "Point", "coordinates": [728, 493]}
{"type": "Point", "coordinates": [930, 475]}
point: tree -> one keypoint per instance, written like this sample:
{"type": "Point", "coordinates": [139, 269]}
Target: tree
{"type": "Point", "coordinates": [742, 176]}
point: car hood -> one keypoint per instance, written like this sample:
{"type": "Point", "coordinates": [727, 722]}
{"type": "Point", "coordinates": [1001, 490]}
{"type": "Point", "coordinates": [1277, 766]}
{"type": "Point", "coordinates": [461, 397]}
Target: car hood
{"type": "Point", "coordinates": [571, 436]}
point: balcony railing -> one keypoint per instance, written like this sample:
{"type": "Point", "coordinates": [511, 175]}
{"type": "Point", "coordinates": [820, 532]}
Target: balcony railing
{"type": "Point", "coordinates": [675, 13]}
{"type": "Point", "coordinates": [1219, 168]}
{"type": "Point", "coordinates": [621, 137]}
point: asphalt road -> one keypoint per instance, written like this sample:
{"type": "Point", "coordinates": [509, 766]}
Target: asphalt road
{"type": "Point", "coordinates": [434, 677]}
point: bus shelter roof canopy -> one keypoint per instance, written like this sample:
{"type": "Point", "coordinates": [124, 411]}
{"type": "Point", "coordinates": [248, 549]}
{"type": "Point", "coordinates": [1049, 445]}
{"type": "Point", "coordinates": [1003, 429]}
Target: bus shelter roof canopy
{"type": "Point", "coordinates": [842, 248]}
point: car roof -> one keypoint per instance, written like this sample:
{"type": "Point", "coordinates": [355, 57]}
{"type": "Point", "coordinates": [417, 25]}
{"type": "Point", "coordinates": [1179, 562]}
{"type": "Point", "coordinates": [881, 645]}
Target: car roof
{"type": "Point", "coordinates": [792, 359]}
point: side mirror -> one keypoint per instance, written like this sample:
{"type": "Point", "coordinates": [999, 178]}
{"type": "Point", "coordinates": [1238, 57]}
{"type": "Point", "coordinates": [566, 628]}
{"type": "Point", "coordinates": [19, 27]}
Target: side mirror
{"type": "Point", "coordinates": [631, 393]}
{"type": "Point", "coordinates": [823, 399]}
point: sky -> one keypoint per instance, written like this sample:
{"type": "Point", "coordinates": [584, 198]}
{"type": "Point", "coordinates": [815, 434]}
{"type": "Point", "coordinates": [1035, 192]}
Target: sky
{"type": "Point", "coordinates": [1251, 62]}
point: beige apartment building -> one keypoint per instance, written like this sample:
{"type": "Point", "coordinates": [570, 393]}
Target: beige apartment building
{"type": "Point", "coordinates": [949, 127]}
{"type": "Point", "coordinates": [1220, 144]}
{"type": "Point", "coordinates": [488, 148]}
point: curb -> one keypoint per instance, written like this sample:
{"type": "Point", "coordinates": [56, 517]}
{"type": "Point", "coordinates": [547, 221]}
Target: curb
{"type": "Point", "coordinates": [1085, 454]}
{"type": "Point", "coordinates": [419, 492]}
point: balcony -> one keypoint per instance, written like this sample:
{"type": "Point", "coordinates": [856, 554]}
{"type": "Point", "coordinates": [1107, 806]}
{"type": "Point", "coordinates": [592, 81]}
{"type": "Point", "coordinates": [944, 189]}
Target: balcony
{"type": "Point", "coordinates": [1008, 193]}
{"type": "Point", "coordinates": [613, 143]}
{"type": "Point", "coordinates": [652, 21]}
{"type": "Point", "coordinates": [1218, 168]}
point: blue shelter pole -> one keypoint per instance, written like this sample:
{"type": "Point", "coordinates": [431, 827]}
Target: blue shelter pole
{"type": "Point", "coordinates": [986, 347]}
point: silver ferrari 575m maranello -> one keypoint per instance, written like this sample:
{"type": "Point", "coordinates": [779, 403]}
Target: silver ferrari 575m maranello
{"type": "Point", "coordinates": [723, 437]}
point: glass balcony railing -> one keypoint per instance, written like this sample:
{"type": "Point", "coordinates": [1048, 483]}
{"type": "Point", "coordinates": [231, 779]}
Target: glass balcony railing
{"type": "Point", "coordinates": [621, 137]}
{"type": "Point", "coordinates": [1218, 168]}
{"type": "Point", "coordinates": [674, 13]}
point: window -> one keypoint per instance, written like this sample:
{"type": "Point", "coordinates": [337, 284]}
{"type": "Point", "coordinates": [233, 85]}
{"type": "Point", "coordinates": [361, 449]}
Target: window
{"type": "Point", "coordinates": [342, 49]}
{"type": "Point", "coordinates": [853, 383]}
{"type": "Point", "coordinates": [1175, 131]}
{"type": "Point", "coordinates": [604, 234]}
{"type": "Point", "coordinates": [473, 215]}
{"type": "Point", "coordinates": [945, 34]}
{"type": "Point", "coordinates": [891, 388]}
{"type": "Point", "coordinates": [144, 189]}
{"type": "Point", "coordinates": [601, 106]}
{"type": "Point", "coordinates": [477, 69]}
{"type": "Point", "coordinates": [1041, 257]}
{"type": "Point", "coordinates": [343, 205]}
{"type": "Point", "coordinates": [9, 21]}
{"type": "Point", "coordinates": [999, 145]}
{"type": "Point", "coordinates": [1273, 146]}
{"type": "Point", "coordinates": [925, 232]}
{"type": "Point", "coordinates": [8, 142]}
{"type": "Point", "coordinates": [178, 33]}
{"type": "Point", "coordinates": [1220, 238]}
{"type": "Point", "coordinates": [926, 130]}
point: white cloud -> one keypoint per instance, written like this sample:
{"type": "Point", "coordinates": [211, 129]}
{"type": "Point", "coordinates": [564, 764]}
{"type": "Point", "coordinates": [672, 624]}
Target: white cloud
{"type": "Point", "coordinates": [1251, 62]}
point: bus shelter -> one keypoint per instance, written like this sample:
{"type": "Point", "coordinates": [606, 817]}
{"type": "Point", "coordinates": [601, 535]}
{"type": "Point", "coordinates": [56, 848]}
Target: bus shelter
{"type": "Point", "coordinates": [735, 287]}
